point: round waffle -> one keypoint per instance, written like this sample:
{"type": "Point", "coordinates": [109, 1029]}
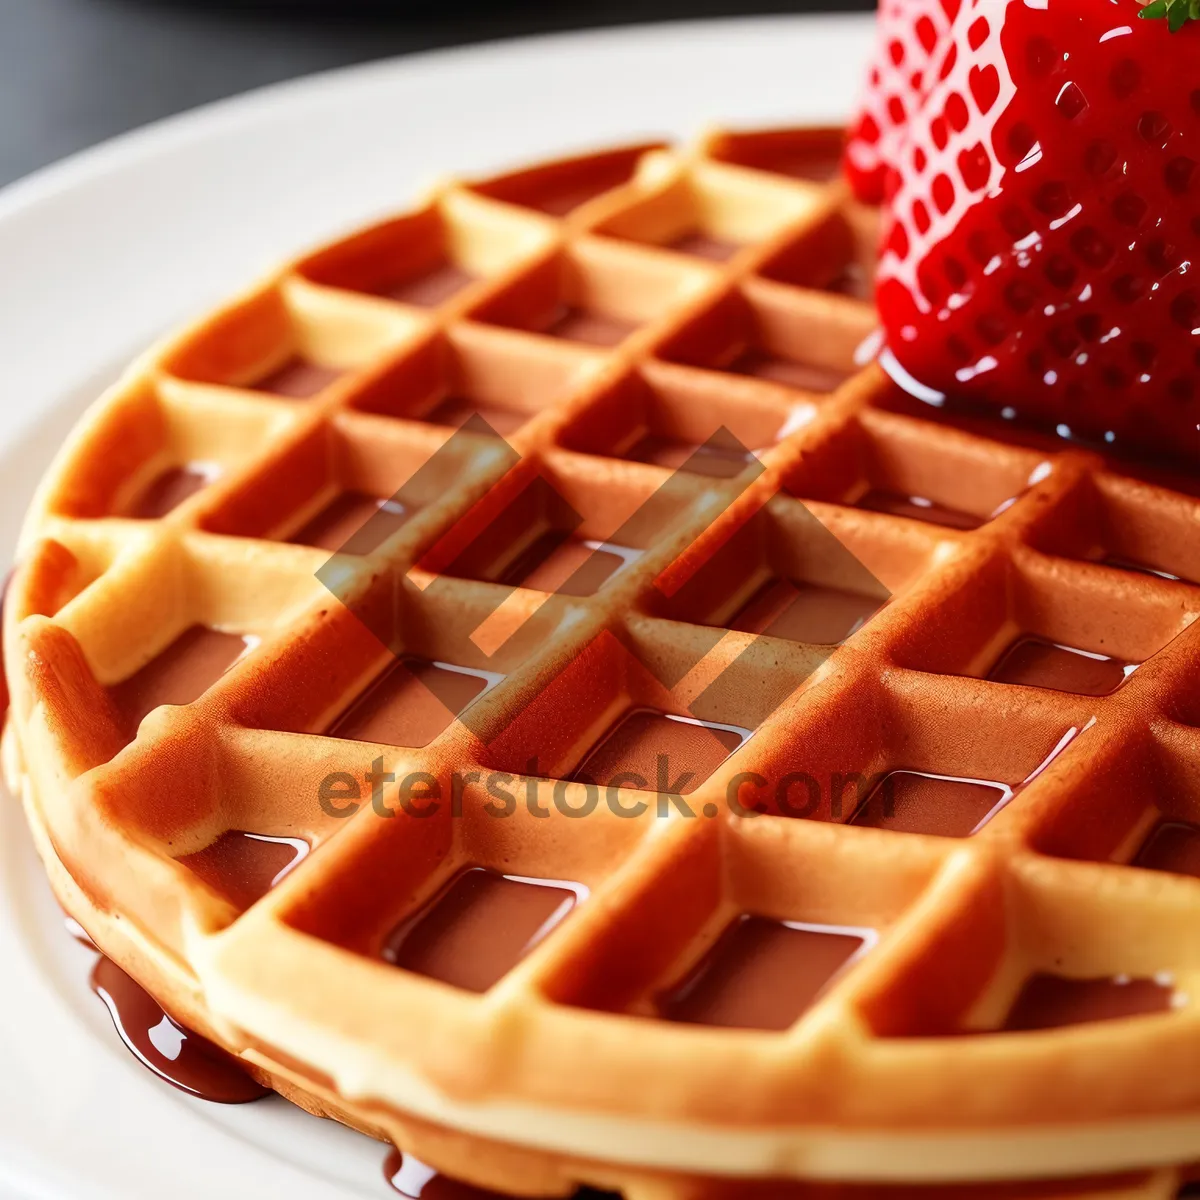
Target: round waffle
{"type": "Point", "coordinates": [516, 680]}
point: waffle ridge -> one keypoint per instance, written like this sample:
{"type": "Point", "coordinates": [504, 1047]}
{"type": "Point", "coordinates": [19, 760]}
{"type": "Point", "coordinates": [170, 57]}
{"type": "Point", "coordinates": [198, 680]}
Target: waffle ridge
{"type": "Point", "coordinates": [874, 1081]}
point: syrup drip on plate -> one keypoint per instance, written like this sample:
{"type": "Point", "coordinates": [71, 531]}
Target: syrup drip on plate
{"type": "Point", "coordinates": [184, 1059]}
{"type": "Point", "coordinates": [415, 1180]}
{"type": "Point", "coordinates": [80, 934]}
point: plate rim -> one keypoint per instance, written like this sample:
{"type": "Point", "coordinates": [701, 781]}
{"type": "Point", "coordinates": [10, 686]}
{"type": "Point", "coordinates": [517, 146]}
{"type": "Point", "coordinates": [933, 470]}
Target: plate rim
{"type": "Point", "coordinates": [189, 125]}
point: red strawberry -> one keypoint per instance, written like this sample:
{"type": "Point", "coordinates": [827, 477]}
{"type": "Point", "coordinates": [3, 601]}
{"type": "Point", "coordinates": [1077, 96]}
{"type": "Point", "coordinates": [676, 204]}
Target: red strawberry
{"type": "Point", "coordinates": [910, 33]}
{"type": "Point", "coordinates": [1039, 245]}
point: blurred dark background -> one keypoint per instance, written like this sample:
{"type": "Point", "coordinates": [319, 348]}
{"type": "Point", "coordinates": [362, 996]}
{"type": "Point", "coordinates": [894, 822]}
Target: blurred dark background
{"type": "Point", "coordinates": [73, 72]}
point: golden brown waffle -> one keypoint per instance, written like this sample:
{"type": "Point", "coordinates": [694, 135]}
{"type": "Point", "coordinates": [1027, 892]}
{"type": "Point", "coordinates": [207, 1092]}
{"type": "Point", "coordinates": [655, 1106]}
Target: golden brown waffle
{"type": "Point", "coordinates": [610, 315]}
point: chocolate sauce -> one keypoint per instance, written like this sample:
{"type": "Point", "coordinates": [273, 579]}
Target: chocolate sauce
{"type": "Point", "coordinates": [480, 926]}
{"type": "Point", "coordinates": [917, 802]}
{"type": "Point", "coordinates": [648, 750]}
{"type": "Point", "coordinates": [853, 280]}
{"type": "Point", "coordinates": [416, 1181]}
{"type": "Point", "coordinates": [563, 565]}
{"type": "Point", "coordinates": [298, 380]}
{"type": "Point", "coordinates": [184, 1059]}
{"type": "Point", "coordinates": [1127, 564]}
{"type": "Point", "coordinates": [182, 673]}
{"type": "Point", "coordinates": [1033, 662]}
{"type": "Point", "coordinates": [700, 245]}
{"type": "Point", "coordinates": [170, 489]}
{"type": "Point", "coordinates": [410, 704]}
{"type": "Point", "coordinates": [918, 508]}
{"type": "Point", "coordinates": [432, 288]}
{"type": "Point", "coordinates": [562, 196]}
{"type": "Point", "coordinates": [713, 461]}
{"type": "Point", "coordinates": [456, 410]}
{"type": "Point", "coordinates": [586, 325]}
{"type": "Point", "coordinates": [78, 932]}
{"type": "Point", "coordinates": [1172, 846]}
{"type": "Point", "coordinates": [1052, 1001]}
{"type": "Point", "coordinates": [353, 523]}
{"type": "Point", "coordinates": [804, 612]}
{"type": "Point", "coordinates": [806, 376]}
{"type": "Point", "coordinates": [762, 974]}
{"type": "Point", "coordinates": [811, 164]}
{"type": "Point", "coordinates": [244, 867]}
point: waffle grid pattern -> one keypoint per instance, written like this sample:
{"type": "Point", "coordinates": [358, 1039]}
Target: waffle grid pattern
{"type": "Point", "coordinates": [963, 922]}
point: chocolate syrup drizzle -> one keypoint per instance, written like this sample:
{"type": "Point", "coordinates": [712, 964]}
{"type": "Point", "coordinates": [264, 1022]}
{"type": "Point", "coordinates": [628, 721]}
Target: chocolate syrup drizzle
{"type": "Point", "coordinates": [174, 1053]}
{"type": "Point", "coordinates": [202, 1069]}
{"type": "Point", "coordinates": [414, 1180]}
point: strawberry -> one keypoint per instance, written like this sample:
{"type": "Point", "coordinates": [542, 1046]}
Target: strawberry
{"type": "Point", "coordinates": [1039, 241]}
{"type": "Point", "coordinates": [909, 34]}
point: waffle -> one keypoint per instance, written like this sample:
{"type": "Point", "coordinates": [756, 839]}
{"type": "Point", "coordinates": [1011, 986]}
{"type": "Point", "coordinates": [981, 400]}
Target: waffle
{"type": "Point", "coordinates": [932, 681]}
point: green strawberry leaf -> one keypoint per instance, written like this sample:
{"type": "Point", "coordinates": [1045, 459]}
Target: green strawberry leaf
{"type": "Point", "coordinates": [1176, 12]}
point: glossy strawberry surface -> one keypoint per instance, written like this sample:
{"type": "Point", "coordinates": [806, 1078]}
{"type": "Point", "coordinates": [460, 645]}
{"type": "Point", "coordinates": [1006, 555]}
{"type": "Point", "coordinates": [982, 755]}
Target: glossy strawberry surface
{"type": "Point", "coordinates": [910, 33]}
{"type": "Point", "coordinates": [1044, 220]}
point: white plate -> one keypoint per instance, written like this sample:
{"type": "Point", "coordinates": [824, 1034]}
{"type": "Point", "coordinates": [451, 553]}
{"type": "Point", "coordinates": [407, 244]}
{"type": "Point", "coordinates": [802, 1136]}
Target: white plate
{"type": "Point", "coordinates": [103, 252]}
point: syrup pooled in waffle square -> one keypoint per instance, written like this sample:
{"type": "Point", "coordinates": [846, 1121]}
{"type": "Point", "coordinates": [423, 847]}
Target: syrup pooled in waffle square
{"type": "Point", "coordinates": [521, 682]}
